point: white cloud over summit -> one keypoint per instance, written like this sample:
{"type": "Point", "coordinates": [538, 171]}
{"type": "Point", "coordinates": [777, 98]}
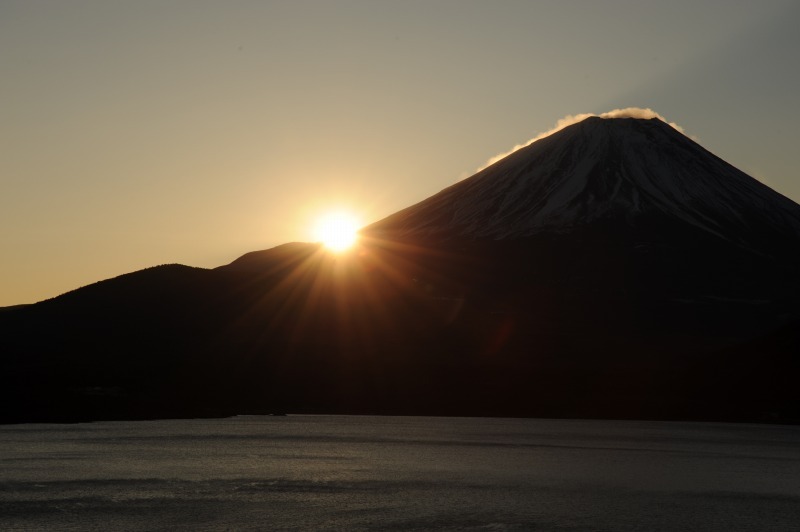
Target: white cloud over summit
{"type": "Point", "coordinates": [628, 112]}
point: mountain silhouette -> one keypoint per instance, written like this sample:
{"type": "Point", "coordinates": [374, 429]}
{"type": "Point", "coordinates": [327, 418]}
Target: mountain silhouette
{"type": "Point", "coordinates": [612, 269]}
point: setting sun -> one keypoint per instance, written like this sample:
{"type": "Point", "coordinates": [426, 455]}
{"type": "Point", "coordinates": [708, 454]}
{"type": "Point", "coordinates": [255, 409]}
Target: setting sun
{"type": "Point", "coordinates": [337, 230]}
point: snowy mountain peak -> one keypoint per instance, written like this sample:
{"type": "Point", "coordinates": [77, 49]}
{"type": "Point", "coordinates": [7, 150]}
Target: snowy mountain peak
{"type": "Point", "coordinates": [599, 169]}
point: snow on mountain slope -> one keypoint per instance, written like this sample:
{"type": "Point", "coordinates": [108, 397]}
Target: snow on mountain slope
{"type": "Point", "coordinates": [597, 169]}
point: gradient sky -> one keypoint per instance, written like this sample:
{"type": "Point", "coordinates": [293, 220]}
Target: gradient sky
{"type": "Point", "coordinates": [148, 132]}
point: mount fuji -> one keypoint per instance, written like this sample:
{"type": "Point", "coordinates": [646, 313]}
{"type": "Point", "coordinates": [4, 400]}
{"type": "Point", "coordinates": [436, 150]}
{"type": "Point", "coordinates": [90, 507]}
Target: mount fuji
{"type": "Point", "coordinates": [614, 268]}
{"type": "Point", "coordinates": [627, 207]}
{"type": "Point", "coordinates": [603, 169]}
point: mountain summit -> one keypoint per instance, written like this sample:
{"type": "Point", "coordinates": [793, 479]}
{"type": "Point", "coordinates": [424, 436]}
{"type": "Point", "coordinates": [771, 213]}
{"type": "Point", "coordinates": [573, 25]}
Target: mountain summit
{"type": "Point", "coordinates": [602, 169]}
{"type": "Point", "coordinates": [613, 269]}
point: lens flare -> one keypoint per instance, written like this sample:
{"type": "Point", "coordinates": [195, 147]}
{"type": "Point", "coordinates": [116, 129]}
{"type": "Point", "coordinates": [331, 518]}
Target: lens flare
{"type": "Point", "coordinates": [337, 230]}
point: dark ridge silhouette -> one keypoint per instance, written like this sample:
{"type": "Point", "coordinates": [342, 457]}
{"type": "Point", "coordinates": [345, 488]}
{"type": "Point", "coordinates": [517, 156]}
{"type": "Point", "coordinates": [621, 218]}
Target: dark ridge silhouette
{"type": "Point", "coordinates": [12, 307]}
{"type": "Point", "coordinates": [612, 270]}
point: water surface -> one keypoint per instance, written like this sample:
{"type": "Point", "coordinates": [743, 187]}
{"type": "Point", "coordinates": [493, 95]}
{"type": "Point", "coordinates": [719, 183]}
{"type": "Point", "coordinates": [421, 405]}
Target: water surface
{"type": "Point", "coordinates": [399, 473]}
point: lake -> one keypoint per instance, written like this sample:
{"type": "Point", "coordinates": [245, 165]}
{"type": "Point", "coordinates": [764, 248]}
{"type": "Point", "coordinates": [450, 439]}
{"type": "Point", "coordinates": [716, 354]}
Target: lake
{"type": "Point", "coordinates": [399, 473]}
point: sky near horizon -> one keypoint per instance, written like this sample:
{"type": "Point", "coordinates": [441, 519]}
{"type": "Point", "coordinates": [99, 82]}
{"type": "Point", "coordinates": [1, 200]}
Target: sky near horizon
{"type": "Point", "coordinates": [137, 133]}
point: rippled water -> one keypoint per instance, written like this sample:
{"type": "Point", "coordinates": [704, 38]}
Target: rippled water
{"type": "Point", "coordinates": [352, 472]}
